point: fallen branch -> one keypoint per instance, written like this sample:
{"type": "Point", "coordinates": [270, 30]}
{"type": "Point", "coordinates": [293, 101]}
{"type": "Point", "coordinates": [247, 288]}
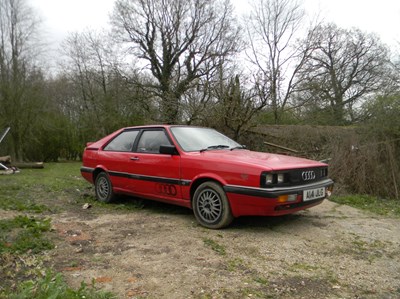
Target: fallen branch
{"type": "Point", "coordinates": [34, 165]}
{"type": "Point", "coordinates": [281, 147]}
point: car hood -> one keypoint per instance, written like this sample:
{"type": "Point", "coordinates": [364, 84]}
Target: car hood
{"type": "Point", "coordinates": [266, 160]}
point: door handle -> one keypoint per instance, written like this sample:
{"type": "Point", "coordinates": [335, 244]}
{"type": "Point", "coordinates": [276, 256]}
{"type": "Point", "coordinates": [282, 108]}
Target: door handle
{"type": "Point", "coordinates": [134, 158]}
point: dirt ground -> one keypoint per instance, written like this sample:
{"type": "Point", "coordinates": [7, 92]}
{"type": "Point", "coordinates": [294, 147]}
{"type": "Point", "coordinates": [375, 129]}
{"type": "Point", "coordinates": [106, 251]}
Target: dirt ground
{"type": "Point", "coordinates": [329, 251]}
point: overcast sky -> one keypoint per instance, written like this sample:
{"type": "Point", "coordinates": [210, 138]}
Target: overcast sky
{"type": "Point", "coordinates": [382, 17]}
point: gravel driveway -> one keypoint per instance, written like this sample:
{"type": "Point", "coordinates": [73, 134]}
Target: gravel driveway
{"type": "Point", "coordinates": [329, 251]}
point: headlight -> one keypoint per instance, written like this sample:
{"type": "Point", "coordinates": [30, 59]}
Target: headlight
{"type": "Point", "coordinates": [281, 178]}
{"type": "Point", "coordinates": [269, 179]}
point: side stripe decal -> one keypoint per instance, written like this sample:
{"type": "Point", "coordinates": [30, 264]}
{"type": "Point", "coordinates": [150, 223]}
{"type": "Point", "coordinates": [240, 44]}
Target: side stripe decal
{"type": "Point", "coordinates": [149, 178]}
{"type": "Point", "coordinates": [142, 177]}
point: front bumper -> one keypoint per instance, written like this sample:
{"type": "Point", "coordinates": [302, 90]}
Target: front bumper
{"type": "Point", "coordinates": [264, 201]}
{"type": "Point", "coordinates": [275, 192]}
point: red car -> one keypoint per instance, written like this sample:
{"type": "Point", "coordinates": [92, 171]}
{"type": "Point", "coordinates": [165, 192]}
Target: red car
{"type": "Point", "coordinates": [204, 170]}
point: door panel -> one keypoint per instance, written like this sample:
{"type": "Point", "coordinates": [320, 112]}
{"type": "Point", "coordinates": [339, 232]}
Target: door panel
{"type": "Point", "coordinates": [115, 158]}
{"type": "Point", "coordinates": [156, 175]}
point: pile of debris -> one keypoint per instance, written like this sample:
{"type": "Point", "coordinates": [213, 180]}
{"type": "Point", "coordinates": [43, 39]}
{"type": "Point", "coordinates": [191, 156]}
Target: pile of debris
{"type": "Point", "coordinates": [5, 162]}
{"type": "Point", "coordinates": [5, 166]}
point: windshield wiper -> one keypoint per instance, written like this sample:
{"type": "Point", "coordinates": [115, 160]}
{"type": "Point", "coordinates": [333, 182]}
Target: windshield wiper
{"type": "Point", "coordinates": [219, 146]}
{"type": "Point", "coordinates": [238, 147]}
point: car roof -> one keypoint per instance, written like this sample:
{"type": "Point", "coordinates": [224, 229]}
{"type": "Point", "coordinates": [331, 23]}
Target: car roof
{"type": "Point", "coordinates": [159, 126]}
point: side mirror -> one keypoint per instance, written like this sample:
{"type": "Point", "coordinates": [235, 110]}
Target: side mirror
{"type": "Point", "coordinates": [168, 150]}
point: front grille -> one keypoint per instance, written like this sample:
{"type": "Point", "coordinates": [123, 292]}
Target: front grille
{"type": "Point", "coordinates": [307, 175]}
{"type": "Point", "coordinates": [295, 177]}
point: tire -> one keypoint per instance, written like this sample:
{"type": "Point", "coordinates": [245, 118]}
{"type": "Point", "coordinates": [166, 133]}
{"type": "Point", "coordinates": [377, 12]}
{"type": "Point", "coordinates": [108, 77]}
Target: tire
{"type": "Point", "coordinates": [211, 207]}
{"type": "Point", "coordinates": [103, 188]}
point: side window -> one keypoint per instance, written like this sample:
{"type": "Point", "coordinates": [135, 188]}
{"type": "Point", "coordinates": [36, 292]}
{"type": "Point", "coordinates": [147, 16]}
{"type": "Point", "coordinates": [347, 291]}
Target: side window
{"type": "Point", "coordinates": [150, 141]}
{"type": "Point", "coordinates": [123, 142]}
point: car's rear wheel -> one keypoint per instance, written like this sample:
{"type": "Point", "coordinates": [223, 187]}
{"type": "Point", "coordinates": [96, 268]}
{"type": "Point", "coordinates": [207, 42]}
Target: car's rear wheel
{"type": "Point", "coordinates": [211, 207]}
{"type": "Point", "coordinates": [103, 188]}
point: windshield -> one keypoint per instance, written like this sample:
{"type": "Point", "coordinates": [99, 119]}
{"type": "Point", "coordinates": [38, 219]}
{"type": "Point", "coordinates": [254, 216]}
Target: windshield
{"type": "Point", "coordinates": [199, 139]}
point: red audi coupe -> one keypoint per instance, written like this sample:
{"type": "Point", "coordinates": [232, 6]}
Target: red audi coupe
{"type": "Point", "coordinates": [202, 169]}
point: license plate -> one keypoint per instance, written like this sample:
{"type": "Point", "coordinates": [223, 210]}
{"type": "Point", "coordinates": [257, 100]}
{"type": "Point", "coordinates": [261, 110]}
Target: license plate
{"type": "Point", "coordinates": [313, 194]}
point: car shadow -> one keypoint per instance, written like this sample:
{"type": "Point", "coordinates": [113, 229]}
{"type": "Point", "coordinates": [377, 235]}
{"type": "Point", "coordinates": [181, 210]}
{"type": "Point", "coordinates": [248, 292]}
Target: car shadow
{"type": "Point", "coordinates": [136, 203]}
{"type": "Point", "coordinates": [266, 222]}
{"type": "Point", "coordinates": [253, 223]}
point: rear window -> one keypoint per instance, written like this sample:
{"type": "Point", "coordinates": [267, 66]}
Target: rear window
{"type": "Point", "coordinates": [123, 142]}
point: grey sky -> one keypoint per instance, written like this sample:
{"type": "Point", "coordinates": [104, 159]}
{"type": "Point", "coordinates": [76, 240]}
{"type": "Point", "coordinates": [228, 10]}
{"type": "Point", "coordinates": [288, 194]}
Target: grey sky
{"type": "Point", "coordinates": [382, 17]}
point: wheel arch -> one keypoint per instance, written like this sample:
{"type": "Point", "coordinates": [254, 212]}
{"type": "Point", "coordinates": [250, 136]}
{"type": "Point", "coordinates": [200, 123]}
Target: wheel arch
{"type": "Point", "coordinates": [200, 180]}
{"type": "Point", "coordinates": [96, 172]}
{"type": "Point", "coordinates": [210, 204]}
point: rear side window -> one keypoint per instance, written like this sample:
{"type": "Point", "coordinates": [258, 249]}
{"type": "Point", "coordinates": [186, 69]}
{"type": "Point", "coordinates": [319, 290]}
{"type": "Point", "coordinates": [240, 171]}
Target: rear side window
{"type": "Point", "coordinates": [123, 142]}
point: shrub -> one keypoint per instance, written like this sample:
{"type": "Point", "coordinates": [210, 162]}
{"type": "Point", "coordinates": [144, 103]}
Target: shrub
{"type": "Point", "coordinates": [360, 162]}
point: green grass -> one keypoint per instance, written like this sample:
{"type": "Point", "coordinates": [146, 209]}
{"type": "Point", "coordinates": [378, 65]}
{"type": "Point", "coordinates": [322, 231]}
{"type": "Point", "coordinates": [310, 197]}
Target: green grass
{"type": "Point", "coordinates": [261, 280]}
{"type": "Point", "coordinates": [234, 264]}
{"type": "Point", "coordinates": [22, 234]}
{"type": "Point", "coordinates": [218, 248]}
{"type": "Point", "coordinates": [23, 242]}
{"type": "Point", "coordinates": [379, 206]}
{"type": "Point", "coordinates": [296, 267]}
{"type": "Point", "coordinates": [25, 239]}
{"type": "Point", "coordinates": [53, 286]}
{"type": "Point", "coordinates": [24, 191]}
{"type": "Point", "coordinates": [48, 189]}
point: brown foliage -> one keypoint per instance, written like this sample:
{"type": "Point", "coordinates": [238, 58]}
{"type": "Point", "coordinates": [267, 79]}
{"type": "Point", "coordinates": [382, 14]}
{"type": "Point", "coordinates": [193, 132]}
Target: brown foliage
{"type": "Point", "coordinates": [359, 163]}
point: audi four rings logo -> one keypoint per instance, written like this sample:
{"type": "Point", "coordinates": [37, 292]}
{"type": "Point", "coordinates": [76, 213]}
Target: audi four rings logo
{"type": "Point", "coordinates": [308, 175]}
{"type": "Point", "coordinates": [167, 189]}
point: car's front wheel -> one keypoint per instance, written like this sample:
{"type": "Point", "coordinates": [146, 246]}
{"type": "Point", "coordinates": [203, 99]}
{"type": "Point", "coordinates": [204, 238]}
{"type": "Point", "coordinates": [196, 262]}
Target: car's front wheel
{"type": "Point", "coordinates": [103, 188]}
{"type": "Point", "coordinates": [211, 207]}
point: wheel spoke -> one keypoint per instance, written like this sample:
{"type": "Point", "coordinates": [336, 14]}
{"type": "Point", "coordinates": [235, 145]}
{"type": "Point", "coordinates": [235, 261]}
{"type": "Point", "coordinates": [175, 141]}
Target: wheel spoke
{"type": "Point", "coordinates": [209, 205]}
{"type": "Point", "coordinates": [103, 188]}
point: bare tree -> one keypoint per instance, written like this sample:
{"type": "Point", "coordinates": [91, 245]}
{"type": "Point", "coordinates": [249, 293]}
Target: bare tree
{"type": "Point", "coordinates": [346, 66]}
{"type": "Point", "coordinates": [101, 99]}
{"type": "Point", "coordinates": [181, 41]}
{"type": "Point", "coordinates": [272, 27]}
{"type": "Point", "coordinates": [21, 79]}
{"type": "Point", "coordinates": [87, 67]}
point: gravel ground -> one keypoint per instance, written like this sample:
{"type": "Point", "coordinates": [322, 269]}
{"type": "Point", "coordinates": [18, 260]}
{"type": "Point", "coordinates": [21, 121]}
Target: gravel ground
{"type": "Point", "coordinates": [329, 251]}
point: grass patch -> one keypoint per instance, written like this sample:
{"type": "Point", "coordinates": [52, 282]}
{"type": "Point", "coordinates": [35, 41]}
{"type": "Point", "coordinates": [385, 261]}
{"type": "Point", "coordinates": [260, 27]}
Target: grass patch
{"type": "Point", "coordinates": [364, 249]}
{"type": "Point", "coordinates": [49, 189]}
{"type": "Point", "coordinates": [22, 234]}
{"type": "Point", "coordinates": [22, 246]}
{"type": "Point", "coordinates": [12, 204]}
{"type": "Point", "coordinates": [22, 259]}
{"type": "Point", "coordinates": [379, 206]}
{"type": "Point", "coordinates": [24, 240]}
{"type": "Point", "coordinates": [234, 264]}
{"type": "Point", "coordinates": [261, 280]}
{"type": "Point", "coordinates": [218, 248]}
{"type": "Point", "coordinates": [256, 293]}
{"type": "Point", "coordinates": [26, 190]}
{"type": "Point", "coordinates": [54, 286]}
{"type": "Point", "coordinates": [296, 267]}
